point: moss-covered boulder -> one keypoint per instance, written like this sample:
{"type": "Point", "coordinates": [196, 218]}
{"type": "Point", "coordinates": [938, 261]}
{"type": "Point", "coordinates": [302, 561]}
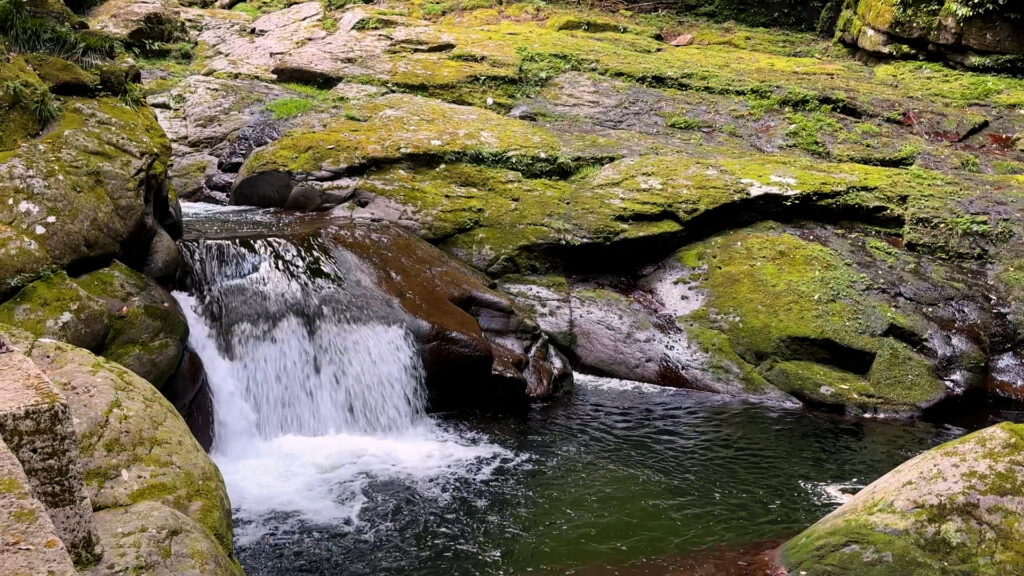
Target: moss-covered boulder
{"type": "Point", "coordinates": [152, 538]}
{"type": "Point", "coordinates": [977, 34]}
{"type": "Point", "coordinates": [386, 131]}
{"type": "Point", "coordinates": [23, 96]}
{"type": "Point", "coordinates": [91, 188]}
{"type": "Point", "coordinates": [955, 509]}
{"type": "Point", "coordinates": [115, 312]}
{"type": "Point", "coordinates": [135, 448]}
{"type": "Point", "coordinates": [63, 77]}
{"type": "Point", "coordinates": [805, 319]}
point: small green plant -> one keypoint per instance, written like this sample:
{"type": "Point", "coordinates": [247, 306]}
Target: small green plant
{"type": "Point", "coordinates": [44, 106]}
{"type": "Point", "coordinates": [970, 224]}
{"type": "Point", "coordinates": [680, 122]}
{"type": "Point", "coordinates": [289, 107]}
{"type": "Point", "coordinates": [329, 24]}
{"type": "Point", "coordinates": [247, 9]}
{"type": "Point", "coordinates": [970, 163]}
{"type": "Point", "coordinates": [1007, 168]}
{"type": "Point", "coordinates": [806, 131]}
{"type": "Point", "coordinates": [133, 96]}
{"type": "Point", "coordinates": [536, 69]}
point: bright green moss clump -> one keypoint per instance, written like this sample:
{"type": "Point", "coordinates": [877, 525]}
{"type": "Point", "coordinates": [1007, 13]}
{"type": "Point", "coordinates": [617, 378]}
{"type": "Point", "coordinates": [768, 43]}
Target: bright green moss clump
{"type": "Point", "coordinates": [800, 315]}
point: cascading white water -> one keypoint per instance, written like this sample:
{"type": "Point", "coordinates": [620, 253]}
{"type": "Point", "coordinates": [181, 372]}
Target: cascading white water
{"type": "Point", "coordinates": [316, 381]}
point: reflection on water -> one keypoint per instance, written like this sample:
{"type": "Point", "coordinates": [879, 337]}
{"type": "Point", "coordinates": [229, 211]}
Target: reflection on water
{"type": "Point", "coordinates": [617, 478]}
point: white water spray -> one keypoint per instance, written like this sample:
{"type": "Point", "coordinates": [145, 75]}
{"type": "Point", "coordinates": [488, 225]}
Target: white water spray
{"type": "Point", "coordinates": [317, 391]}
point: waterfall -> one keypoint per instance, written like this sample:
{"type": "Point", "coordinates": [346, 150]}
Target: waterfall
{"type": "Point", "coordinates": [316, 380]}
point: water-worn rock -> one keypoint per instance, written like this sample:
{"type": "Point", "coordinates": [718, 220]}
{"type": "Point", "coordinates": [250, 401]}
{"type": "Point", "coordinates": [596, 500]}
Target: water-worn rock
{"type": "Point", "coordinates": [136, 448]}
{"type": "Point", "coordinates": [30, 544]}
{"type": "Point", "coordinates": [955, 509]}
{"type": "Point", "coordinates": [91, 188]}
{"type": "Point", "coordinates": [115, 312]}
{"type": "Point", "coordinates": [478, 349]}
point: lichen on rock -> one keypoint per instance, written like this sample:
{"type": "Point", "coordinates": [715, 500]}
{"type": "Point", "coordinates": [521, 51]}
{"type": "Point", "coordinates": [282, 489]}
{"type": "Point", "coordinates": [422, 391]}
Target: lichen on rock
{"type": "Point", "coordinates": [955, 509]}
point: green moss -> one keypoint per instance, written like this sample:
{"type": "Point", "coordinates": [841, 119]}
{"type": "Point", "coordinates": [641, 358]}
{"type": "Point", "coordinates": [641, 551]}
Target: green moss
{"type": "Point", "coordinates": [807, 131]}
{"type": "Point", "coordinates": [10, 485]}
{"type": "Point", "coordinates": [800, 313]}
{"type": "Point", "coordinates": [25, 516]}
{"type": "Point", "coordinates": [683, 122]}
{"type": "Point", "coordinates": [289, 107]}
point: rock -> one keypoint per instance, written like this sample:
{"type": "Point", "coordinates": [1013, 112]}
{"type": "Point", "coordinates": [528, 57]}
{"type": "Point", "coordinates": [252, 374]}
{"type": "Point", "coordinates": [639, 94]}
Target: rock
{"type": "Point", "coordinates": [237, 52]}
{"type": "Point", "coordinates": [163, 260]}
{"type": "Point", "coordinates": [115, 311]}
{"type": "Point", "coordinates": [625, 335]}
{"type": "Point", "coordinates": [953, 509]}
{"type": "Point", "coordinates": [151, 538]}
{"type": "Point", "coordinates": [110, 164]}
{"type": "Point", "coordinates": [150, 456]}
{"type": "Point", "coordinates": [30, 545]}
{"type": "Point", "coordinates": [479, 350]}
{"type": "Point", "coordinates": [139, 23]}
{"type": "Point", "coordinates": [683, 40]}
{"type": "Point", "coordinates": [36, 425]}
{"type": "Point", "coordinates": [987, 39]}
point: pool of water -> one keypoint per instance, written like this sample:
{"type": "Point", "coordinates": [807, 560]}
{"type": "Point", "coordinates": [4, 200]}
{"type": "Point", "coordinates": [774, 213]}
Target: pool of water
{"type": "Point", "coordinates": [616, 478]}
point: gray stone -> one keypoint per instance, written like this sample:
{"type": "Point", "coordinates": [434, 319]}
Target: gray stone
{"type": "Point", "coordinates": [36, 424]}
{"type": "Point", "coordinates": [29, 544]}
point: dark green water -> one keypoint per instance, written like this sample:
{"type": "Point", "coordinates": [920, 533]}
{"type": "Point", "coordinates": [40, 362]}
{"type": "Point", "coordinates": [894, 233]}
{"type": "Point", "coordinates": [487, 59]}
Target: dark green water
{"type": "Point", "coordinates": [612, 478]}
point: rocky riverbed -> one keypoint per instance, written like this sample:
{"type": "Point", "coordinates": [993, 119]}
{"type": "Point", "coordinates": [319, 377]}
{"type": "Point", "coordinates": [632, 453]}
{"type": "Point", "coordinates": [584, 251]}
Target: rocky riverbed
{"type": "Point", "coordinates": [824, 213]}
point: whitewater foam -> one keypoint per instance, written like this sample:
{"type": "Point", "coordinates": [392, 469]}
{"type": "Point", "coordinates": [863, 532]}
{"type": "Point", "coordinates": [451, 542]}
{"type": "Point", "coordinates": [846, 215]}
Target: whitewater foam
{"type": "Point", "coordinates": [314, 400]}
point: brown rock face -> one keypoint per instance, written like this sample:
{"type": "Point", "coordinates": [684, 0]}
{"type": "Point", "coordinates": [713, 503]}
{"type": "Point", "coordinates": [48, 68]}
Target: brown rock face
{"type": "Point", "coordinates": [478, 349]}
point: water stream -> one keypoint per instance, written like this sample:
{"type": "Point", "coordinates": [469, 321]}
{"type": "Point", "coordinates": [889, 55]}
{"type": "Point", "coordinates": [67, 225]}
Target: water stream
{"type": "Point", "coordinates": [334, 468]}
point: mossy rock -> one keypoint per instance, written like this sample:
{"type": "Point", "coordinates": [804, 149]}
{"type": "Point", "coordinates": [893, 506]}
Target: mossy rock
{"type": "Point", "coordinates": [115, 312]}
{"type": "Point", "coordinates": [954, 510]}
{"type": "Point", "coordinates": [134, 445]}
{"type": "Point", "coordinates": [804, 317]}
{"type": "Point", "coordinates": [63, 77]}
{"type": "Point", "coordinates": [151, 538]}
{"type": "Point", "coordinates": [86, 190]}
{"type": "Point", "coordinates": [20, 86]}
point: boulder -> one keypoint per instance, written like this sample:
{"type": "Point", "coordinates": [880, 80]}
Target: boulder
{"type": "Point", "coordinates": [955, 509]}
{"type": "Point", "coordinates": [152, 538]}
{"type": "Point", "coordinates": [115, 312]}
{"type": "Point", "coordinates": [478, 348]}
{"type": "Point", "coordinates": [135, 448]}
{"type": "Point", "coordinates": [90, 189]}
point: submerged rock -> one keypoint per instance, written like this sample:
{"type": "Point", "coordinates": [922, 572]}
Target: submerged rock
{"type": "Point", "coordinates": [955, 509]}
